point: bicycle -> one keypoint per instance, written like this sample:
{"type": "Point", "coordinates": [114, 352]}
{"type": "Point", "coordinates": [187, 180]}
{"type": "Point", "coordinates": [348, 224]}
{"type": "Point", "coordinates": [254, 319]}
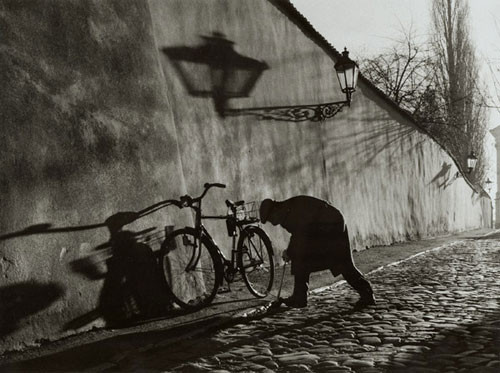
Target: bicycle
{"type": "Point", "coordinates": [193, 265]}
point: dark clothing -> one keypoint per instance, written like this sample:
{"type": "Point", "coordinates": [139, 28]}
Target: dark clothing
{"type": "Point", "coordinates": [353, 277]}
{"type": "Point", "coordinates": [319, 238]}
{"type": "Point", "coordinates": [319, 241]}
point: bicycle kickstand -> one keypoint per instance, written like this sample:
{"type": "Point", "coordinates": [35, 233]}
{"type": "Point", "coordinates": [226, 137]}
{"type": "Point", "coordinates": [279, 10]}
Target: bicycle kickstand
{"type": "Point", "coordinates": [228, 289]}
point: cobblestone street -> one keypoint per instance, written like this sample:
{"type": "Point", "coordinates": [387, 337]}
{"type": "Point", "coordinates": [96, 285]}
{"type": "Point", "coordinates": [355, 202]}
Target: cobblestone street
{"type": "Point", "coordinates": [437, 312]}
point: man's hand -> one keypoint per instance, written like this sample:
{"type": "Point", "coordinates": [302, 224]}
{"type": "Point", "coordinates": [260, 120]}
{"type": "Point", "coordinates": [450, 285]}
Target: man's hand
{"type": "Point", "coordinates": [285, 256]}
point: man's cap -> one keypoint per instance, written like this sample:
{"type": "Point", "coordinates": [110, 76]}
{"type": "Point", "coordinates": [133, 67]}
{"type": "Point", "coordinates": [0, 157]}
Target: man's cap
{"type": "Point", "coordinates": [265, 209]}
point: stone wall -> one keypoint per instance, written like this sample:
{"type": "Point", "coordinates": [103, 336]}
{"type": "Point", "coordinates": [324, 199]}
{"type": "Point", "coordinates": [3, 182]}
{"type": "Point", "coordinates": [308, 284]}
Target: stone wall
{"type": "Point", "coordinates": [95, 120]}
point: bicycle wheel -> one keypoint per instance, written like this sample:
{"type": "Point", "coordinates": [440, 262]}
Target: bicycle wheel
{"type": "Point", "coordinates": [255, 259]}
{"type": "Point", "coordinates": [192, 269]}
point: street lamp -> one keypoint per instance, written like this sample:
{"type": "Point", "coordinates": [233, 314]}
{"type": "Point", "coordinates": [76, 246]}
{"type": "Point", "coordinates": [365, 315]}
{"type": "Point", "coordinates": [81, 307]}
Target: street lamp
{"type": "Point", "coordinates": [488, 183]}
{"type": "Point", "coordinates": [471, 161]}
{"type": "Point", "coordinates": [214, 69]}
{"type": "Point", "coordinates": [471, 164]}
{"type": "Point", "coordinates": [347, 73]}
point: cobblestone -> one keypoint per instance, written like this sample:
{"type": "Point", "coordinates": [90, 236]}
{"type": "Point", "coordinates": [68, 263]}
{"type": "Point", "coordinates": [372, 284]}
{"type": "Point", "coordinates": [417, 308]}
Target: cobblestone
{"type": "Point", "coordinates": [437, 312]}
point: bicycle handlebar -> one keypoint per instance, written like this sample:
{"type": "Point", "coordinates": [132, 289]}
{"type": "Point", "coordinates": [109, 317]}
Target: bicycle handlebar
{"type": "Point", "coordinates": [187, 200]}
{"type": "Point", "coordinates": [123, 218]}
{"type": "Point", "coordinates": [217, 185]}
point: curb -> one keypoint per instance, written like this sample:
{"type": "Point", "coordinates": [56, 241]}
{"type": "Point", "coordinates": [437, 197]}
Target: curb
{"type": "Point", "coordinates": [214, 324]}
{"type": "Point", "coordinates": [338, 283]}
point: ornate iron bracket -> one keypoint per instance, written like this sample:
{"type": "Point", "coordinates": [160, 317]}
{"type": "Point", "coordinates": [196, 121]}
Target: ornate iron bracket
{"type": "Point", "coordinates": [298, 113]}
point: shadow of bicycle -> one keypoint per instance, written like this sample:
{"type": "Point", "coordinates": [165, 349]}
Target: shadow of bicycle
{"type": "Point", "coordinates": [23, 299]}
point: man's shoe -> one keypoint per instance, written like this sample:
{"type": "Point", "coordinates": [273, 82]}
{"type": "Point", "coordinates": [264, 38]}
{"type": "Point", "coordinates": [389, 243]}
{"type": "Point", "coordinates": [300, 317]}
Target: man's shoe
{"type": "Point", "coordinates": [365, 301]}
{"type": "Point", "coordinates": [294, 302]}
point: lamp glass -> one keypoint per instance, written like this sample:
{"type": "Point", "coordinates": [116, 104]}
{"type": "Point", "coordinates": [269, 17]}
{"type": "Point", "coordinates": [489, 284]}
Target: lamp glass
{"type": "Point", "coordinates": [471, 161]}
{"type": "Point", "coordinates": [355, 77]}
{"type": "Point", "coordinates": [342, 80]}
{"type": "Point", "coordinates": [348, 78]}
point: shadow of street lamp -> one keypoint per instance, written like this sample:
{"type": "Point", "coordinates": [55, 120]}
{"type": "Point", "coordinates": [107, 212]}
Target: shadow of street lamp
{"type": "Point", "coordinates": [214, 69]}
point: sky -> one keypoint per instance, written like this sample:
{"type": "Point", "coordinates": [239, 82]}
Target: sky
{"type": "Point", "coordinates": [366, 27]}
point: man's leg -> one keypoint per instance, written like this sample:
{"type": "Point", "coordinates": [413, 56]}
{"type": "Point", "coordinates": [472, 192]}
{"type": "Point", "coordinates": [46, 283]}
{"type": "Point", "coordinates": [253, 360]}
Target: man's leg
{"type": "Point", "coordinates": [300, 286]}
{"type": "Point", "coordinates": [356, 279]}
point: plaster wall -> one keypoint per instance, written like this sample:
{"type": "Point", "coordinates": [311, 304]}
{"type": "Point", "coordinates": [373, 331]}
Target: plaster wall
{"type": "Point", "coordinates": [391, 180]}
{"type": "Point", "coordinates": [86, 131]}
{"type": "Point", "coordinates": [496, 134]}
{"type": "Point", "coordinates": [95, 121]}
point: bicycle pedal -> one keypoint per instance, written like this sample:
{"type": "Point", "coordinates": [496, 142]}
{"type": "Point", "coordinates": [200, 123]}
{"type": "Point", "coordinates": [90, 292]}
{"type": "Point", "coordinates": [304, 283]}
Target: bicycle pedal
{"type": "Point", "coordinates": [223, 290]}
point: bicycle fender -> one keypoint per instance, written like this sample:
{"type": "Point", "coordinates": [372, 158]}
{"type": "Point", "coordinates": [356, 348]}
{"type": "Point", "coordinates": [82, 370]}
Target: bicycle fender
{"type": "Point", "coordinates": [248, 230]}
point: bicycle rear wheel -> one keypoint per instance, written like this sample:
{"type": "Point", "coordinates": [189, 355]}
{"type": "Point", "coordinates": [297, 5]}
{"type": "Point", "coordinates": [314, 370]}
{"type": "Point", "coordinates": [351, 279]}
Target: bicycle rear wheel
{"type": "Point", "coordinates": [255, 259]}
{"type": "Point", "coordinates": [192, 269]}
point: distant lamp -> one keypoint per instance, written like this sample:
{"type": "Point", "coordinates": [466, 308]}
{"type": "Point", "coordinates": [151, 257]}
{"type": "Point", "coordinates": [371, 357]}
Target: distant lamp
{"type": "Point", "coordinates": [214, 69]}
{"type": "Point", "coordinates": [471, 162]}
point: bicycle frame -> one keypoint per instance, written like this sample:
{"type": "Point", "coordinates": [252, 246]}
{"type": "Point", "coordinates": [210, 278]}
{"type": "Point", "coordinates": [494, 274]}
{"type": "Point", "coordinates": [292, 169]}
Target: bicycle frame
{"type": "Point", "coordinates": [196, 205]}
{"type": "Point", "coordinates": [229, 263]}
{"type": "Point", "coordinates": [202, 231]}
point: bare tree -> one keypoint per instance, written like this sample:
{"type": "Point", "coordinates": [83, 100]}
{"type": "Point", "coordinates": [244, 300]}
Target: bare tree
{"type": "Point", "coordinates": [493, 63]}
{"type": "Point", "coordinates": [438, 82]}
{"type": "Point", "coordinates": [402, 72]}
{"type": "Point", "coordinates": [458, 87]}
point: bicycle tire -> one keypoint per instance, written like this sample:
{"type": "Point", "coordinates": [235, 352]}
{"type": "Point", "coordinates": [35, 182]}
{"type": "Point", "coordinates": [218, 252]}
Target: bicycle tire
{"type": "Point", "coordinates": [256, 260]}
{"type": "Point", "coordinates": [195, 288]}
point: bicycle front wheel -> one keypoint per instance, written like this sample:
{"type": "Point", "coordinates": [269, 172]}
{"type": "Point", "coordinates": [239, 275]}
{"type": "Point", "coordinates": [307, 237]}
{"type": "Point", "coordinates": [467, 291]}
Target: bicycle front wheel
{"type": "Point", "coordinates": [192, 268]}
{"type": "Point", "coordinates": [255, 259]}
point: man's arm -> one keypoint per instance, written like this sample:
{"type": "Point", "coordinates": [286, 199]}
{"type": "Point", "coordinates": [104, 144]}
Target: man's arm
{"type": "Point", "coordinates": [285, 256]}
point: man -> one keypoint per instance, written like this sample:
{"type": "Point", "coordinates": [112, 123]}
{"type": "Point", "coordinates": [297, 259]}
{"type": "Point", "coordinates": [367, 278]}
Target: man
{"type": "Point", "coordinates": [319, 241]}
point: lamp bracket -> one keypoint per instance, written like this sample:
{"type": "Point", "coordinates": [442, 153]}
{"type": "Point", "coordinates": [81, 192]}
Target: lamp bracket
{"type": "Point", "coordinates": [297, 113]}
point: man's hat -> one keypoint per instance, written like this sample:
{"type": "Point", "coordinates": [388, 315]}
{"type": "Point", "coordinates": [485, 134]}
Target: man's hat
{"type": "Point", "coordinates": [266, 207]}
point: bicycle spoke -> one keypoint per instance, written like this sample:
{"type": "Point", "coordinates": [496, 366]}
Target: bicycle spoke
{"type": "Point", "coordinates": [256, 262]}
{"type": "Point", "coordinates": [190, 270]}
